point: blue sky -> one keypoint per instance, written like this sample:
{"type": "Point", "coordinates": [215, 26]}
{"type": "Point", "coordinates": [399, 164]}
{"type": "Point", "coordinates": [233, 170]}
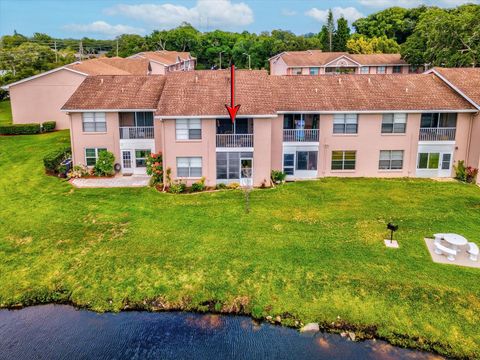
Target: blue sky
{"type": "Point", "coordinates": [104, 19]}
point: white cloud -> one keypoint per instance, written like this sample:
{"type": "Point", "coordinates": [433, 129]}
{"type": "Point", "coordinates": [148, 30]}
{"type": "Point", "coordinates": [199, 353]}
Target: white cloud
{"type": "Point", "coordinates": [205, 12]}
{"type": "Point", "coordinates": [288, 12]}
{"type": "Point", "coordinates": [413, 3]}
{"type": "Point", "coordinates": [102, 27]}
{"type": "Point", "coordinates": [349, 13]}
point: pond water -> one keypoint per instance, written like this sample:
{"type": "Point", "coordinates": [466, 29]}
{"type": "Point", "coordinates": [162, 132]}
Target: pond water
{"type": "Point", "coordinates": [63, 332]}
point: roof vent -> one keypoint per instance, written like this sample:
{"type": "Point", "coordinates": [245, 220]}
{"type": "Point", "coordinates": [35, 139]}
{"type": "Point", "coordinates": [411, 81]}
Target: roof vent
{"type": "Point", "coordinates": [316, 90]}
{"type": "Point", "coordinates": [123, 89]}
{"type": "Point", "coordinates": [339, 80]}
{"type": "Point", "coordinates": [406, 89]}
{"type": "Point", "coordinates": [101, 81]}
{"type": "Point", "coordinates": [196, 78]}
{"type": "Point", "coordinates": [369, 80]}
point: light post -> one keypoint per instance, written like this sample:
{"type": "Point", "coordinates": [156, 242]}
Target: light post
{"type": "Point", "coordinates": [249, 61]}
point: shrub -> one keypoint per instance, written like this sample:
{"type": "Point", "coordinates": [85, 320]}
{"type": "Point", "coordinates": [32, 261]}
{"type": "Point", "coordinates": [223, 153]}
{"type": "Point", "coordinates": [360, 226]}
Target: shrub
{"type": "Point", "coordinates": [278, 177]}
{"type": "Point", "coordinates": [177, 187]}
{"type": "Point", "coordinates": [199, 186]}
{"type": "Point", "coordinates": [78, 171]}
{"type": "Point", "coordinates": [104, 164]}
{"type": "Point", "coordinates": [465, 173]}
{"type": "Point", "coordinates": [233, 185]}
{"type": "Point", "coordinates": [53, 159]}
{"type": "Point", "coordinates": [20, 129]}
{"type": "Point", "coordinates": [155, 168]}
{"type": "Point", "coordinates": [221, 186]}
{"type": "Point", "coordinates": [48, 126]}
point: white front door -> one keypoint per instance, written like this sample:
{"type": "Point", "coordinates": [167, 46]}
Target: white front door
{"type": "Point", "coordinates": [134, 161]}
{"type": "Point", "coordinates": [246, 172]}
{"type": "Point", "coordinates": [127, 161]}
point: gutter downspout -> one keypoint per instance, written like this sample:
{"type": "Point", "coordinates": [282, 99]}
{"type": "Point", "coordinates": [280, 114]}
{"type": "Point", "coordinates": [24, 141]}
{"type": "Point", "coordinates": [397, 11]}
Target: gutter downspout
{"type": "Point", "coordinates": [164, 158]}
{"type": "Point", "coordinates": [470, 129]}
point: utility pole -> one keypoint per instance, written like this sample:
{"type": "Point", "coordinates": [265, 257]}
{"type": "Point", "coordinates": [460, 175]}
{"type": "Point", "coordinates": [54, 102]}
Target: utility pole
{"type": "Point", "coordinates": [117, 47]}
{"type": "Point", "coordinates": [56, 54]}
{"type": "Point", "coordinates": [80, 50]}
{"type": "Point", "coordinates": [249, 61]}
{"type": "Point", "coordinates": [220, 54]}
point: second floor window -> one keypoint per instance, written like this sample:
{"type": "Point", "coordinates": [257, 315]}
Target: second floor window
{"type": "Point", "coordinates": [345, 124]}
{"type": "Point", "coordinates": [188, 129]}
{"type": "Point", "coordinates": [364, 70]}
{"type": "Point", "coordinates": [296, 71]}
{"type": "Point", "coordinates": [438, 120]}
{"type": "Point", "coordinates": [381, 70]}
{"type": "Point", "coordinates": [314, 70]}
{"type": "Point", "coordinates": [94, 122]}
{"type": "Point", "coordinates": [394, 123]}
{"type": "Point", "coordinates": [189, 166]}
{"type": "Point", "coordinates": [344, 160]}
{"type": "Point", "coordinates": [397, 69]}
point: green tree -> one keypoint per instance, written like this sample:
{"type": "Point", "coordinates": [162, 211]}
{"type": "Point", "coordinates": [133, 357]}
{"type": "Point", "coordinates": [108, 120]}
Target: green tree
{"type": "Point", "coordinates": [330, 29]}
{"type": "Point", "coordinates": [342, 35]}
{"type": "Point", "coordinates": [129, 44]}
{"type": "Point", "coordinates": [359, 44]}
{"type": "Point", "coordinates": [323, 38]}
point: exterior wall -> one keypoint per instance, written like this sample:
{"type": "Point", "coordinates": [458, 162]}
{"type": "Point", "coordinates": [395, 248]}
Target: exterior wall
{"type": "Point", "coordinates": [157, 69]}
{"type": "Point", "coordinates": [81, 140]}
{"type": "Point", "coordinates": [461, 137]}
{"type": "Point", "coordinates": [368, 143]}
{"type": "Point", "coordinates": [262, 151]}
{"type": "Point", "coordinates": [278, 67]}
{"type": "Point", "coordinates": [277, 143]}
{"type": "Point", "coordinates": [474, 144]}
{"type": "Point", "coordinates": [204, 148]}
{"type": "Point", "coordinates": [41, 99]}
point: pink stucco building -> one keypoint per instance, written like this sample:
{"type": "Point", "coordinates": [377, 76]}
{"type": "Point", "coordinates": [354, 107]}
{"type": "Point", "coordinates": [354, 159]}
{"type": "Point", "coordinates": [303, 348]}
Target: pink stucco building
{"type": "Point", "coordinates": [39, 98]}
{"type": "Point", "coordinates": [416, 125]}
{"type": "Point", "coordinates": [317, 62]}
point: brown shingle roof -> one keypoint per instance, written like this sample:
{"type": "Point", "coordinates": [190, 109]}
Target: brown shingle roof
{"type": "Point", "coordinates": [467, 80]}
{"type": "Point", "coordinates": [112, 66]}
{"type": "Point", "coordinates": [166, 57]}
{"type": "Point", "coordinates": [117, 92]}
{"type": "Point", "coordinates": [364, 93]}
{"type": "Point", "coordinates": [206, 93]}
{"type": "Point", "coordinates": [319, 58]}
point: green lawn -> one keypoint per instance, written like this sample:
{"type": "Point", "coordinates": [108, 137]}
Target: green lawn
{"type": "Point", "coordinates": [312, 249]}
{"type": "Point", "coordinates": [5, 113]}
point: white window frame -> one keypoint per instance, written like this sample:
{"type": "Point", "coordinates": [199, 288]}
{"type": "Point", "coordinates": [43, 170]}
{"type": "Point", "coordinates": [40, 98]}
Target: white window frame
{"type": "Point", "coordinates": [428, 160]}
{"type": "Point", "coordinates": [345, 120]}
{"type": "Point", "coordinates": [391, 157]}
{"type": "Point", "coordinates": [97, 150]}
{"type": "Point", "coordinates": [343, 160]}
{"type": "Point", "coordinates": [381, 69]}
{"type": "Point", "coordinates": [397, 119]}
{"type": "Point", "coordinates": [295, 71]}
{"type": "Point", "coordinates": [185, 128]}
{"type": "Point", "coordinates": [95, 118]}
{"type": "Point", "coordinates": [314, 70]}
{"type": "Point", "coordinates": [189, 161]}
{"type": "Point", "coordinates": [364, 70]}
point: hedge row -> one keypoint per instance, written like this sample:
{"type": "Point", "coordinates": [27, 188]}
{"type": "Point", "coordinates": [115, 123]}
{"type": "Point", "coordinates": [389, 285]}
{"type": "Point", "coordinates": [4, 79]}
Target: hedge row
{"type": "Point", "coordinates": [53, 159]}
{"type": "Point", "coordinates": [24, 129]}
{"type": "Point", "coordinates": [20, 129]}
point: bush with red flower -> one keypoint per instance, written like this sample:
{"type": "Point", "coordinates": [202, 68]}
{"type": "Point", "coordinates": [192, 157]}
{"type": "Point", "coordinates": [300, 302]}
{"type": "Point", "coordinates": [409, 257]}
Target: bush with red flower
{"type": "Point", "coordinates": [155, 168]}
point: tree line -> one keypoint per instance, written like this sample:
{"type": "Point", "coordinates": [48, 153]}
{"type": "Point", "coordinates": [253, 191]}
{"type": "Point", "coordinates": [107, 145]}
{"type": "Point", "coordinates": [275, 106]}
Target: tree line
{"type": "Point", "coordinates": [423, 35]}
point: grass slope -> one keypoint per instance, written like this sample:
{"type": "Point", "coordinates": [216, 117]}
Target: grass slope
{"type": "Point", "coordinates": [312, 249]}
{"type": "Point", "coordinates": [5, 113]}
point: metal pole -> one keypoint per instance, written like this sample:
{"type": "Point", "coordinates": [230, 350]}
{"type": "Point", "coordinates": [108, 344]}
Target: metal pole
{"type": "Point", "coordinates": [56, 55]}
{"type": "Point", "coordinates": [117, 47]}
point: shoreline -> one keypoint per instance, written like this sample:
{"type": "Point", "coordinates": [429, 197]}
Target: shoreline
{"type": "Point", "coordinates": [340, 327]}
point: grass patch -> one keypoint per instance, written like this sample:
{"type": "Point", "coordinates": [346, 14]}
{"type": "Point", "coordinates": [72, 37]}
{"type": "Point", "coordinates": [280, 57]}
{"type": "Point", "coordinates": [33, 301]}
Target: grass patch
{"type": "Point", "coordinates": [311, 249]}
{"type": "Point", "coordinates": [5, 113]}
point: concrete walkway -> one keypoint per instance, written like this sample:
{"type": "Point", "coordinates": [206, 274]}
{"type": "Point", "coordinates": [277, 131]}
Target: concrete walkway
{"type": "Point", "coordinates": [114, 182]}
{"type": "Point", "coordinates": [462, 258]}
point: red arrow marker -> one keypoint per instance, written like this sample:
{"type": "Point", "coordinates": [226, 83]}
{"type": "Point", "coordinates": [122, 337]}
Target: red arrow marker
{"type": "Point", "coordinates": [232, 109]}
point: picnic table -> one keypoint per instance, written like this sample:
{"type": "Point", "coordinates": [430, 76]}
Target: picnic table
{"type": "Point", "coordinates": [455, 240]}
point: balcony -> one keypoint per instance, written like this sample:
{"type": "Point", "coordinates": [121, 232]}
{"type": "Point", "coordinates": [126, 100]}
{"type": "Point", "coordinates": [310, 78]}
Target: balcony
{"type": "Point", "coordinates": [300, 135]}
{"type": "Point", "coordinates": [136, 132]}
{"type": "Point", "coordinates": [235, 140]}
{"type": "Point", "coordinates": [437, 134]}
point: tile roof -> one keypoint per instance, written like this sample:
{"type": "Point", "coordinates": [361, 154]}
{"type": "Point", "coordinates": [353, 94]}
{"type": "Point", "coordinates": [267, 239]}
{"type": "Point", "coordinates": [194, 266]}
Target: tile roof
{"type": "Point", "coordinates": [205, 92]}
{"type": "Point", "coordinates": [166, 57]}
{"type": "Point", "coordinates": [319, 58]}
{"type": "Point", "coordinates": [467, 80]}
{"type": "Point", "coordinates": [364, 93]}
{"type": "Point", "coordinates": [112, 66]}
{"type": "Point", "coordinates": [117, 92]}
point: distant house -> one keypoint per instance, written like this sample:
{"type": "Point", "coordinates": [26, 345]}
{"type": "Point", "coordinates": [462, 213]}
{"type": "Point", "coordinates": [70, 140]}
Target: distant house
{"type": "Point", "coordinates": [316, 62]}
{"type": "Point", "coordinates": [164, 61]}
{"type": "Point", "coordinates": [39, 98]}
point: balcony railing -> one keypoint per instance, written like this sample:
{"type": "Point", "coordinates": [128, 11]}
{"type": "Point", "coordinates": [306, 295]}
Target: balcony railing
{"type": "Point", "coordinates": [234, 140]}
{"type": "Point", "coordinates": [136, 132]}
{"type": "Point", "coordinates": [298, 135]}
{"type": "Point", "coordinates": [437, 134]}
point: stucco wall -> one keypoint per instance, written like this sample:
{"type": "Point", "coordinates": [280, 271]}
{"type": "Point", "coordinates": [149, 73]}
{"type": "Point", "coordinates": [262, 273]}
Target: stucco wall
{"type": "Point", "coordinates": [157, 69]}
{"type": "Point", "coordinates": [368, 143]}
{"type": "Point", "coordinates": [40, 99]}
{"type": "Point", "coordinates": [81, 140]}
{"type": "Point", "coordinates": [278, 67]}
{"type": "Point", "coordinates": [277, 143]}
{"type": "Point", "coordinates": [461, 137]}
{"type": "Point", "coordinates": [474, 150]}
{"type": "Point", "coordinates": [204, 148]}
{"type": "Point", "coordinates": [262, 151]}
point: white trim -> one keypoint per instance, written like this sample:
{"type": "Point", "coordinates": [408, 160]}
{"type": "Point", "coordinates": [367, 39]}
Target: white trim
{"type": "Point", "coordinates": [375, 111]}
{"type": "Point", "coordinates": [6, 87]}
{"type": "Point", "coordinates": [453, 87]}
{"type": "Point", "coordinates": [107, 110]}
{"type": "Point", "coordinates": [342, 56]}
{"type": "Point", "coordinates": [223, 116]}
